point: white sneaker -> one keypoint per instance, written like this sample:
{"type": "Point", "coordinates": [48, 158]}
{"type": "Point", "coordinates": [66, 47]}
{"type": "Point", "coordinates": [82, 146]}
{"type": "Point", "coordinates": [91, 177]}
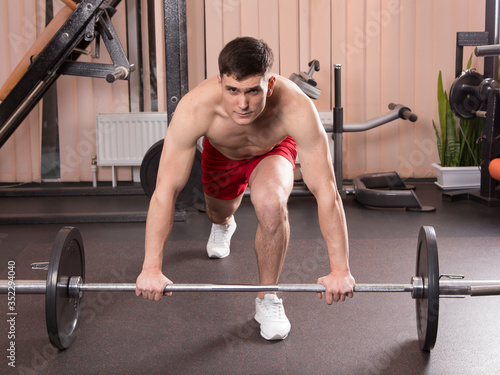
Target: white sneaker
{"type": "Point", "coordinates": [270, 314]}
{"type": "Point", "coordinates": [220, 239]}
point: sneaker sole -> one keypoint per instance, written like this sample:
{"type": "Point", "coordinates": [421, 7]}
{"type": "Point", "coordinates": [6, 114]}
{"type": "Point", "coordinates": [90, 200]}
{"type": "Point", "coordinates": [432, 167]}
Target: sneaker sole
{"type": "Point", "coordinates": [219, 256]}
{"type": "Point", "coordinates": [276, 337]}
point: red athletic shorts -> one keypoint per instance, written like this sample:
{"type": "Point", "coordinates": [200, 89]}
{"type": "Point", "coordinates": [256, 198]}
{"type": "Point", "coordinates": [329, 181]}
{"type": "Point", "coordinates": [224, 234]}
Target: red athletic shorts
{"type": "Point", "coordinates": [224, 178]}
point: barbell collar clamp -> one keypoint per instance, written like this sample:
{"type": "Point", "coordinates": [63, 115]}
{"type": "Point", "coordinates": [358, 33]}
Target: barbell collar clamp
{"type": "Point", "coordinates": [74, 287]}
{"type": "Point", "coordinates": [417, 291]}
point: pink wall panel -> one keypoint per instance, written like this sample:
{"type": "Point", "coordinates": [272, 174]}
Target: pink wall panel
{"type": "Point", "coordinates": [269, 27]}
{"type": "Point", "coordinates": [196, 47]}
{"type": "Point", "coordinates": [231, 20]}
{"type": "Point", "coordinates": [388, 23]}
{"type": "Point", "coordinates": [304, 34]}
{"type": "Point", "coordinates": [425, 87]}
{"type": "Point", "coordinates": [407, 63]}
{"type": "Point", "coordinates": [289, 31]}
{"type": "Point", "coordinates": [373, 93]}
{"type": "Point", "coordinates": [214, 34]}
{"type": "Point", "coordinates": [320, 44]}
{"type": "Point", "coordinates": [355, 75]}
{"type": "Point", "coordinates": [250, 18]}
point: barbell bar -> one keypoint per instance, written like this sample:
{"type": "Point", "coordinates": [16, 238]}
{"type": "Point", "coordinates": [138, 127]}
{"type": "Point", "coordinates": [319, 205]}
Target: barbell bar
{"type": "Point", "coordinates": [75, 285]}
{"type": "Point", "coordinates": [65, 287]}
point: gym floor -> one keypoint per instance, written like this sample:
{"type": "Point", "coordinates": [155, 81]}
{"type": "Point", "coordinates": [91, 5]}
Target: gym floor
{"type": "Point", "coordinates": [214, 333]}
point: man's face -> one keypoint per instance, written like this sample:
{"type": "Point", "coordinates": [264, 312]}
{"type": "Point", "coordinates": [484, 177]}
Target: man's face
{"type": "Point", "coordinates": [245, 100]}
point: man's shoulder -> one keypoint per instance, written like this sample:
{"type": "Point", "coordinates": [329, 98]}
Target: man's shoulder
{"type": "Point", "coordinates": [290, 99]}
{"type": "Point", "coordinates": [290, 91]}
{"type": "Point", "coordinates": [208, 88]}
{"type": "Point", "coordinates": [202, 99]}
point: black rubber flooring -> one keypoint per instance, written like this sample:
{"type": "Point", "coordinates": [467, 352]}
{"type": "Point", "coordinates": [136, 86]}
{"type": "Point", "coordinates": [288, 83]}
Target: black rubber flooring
{"type": "Point", "coordinates": [210, 333]}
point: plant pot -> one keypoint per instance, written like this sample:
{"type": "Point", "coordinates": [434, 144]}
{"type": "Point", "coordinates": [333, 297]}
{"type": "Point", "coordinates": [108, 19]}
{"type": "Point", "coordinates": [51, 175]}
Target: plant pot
{"type": "Point", "coordinates": [449, 178]}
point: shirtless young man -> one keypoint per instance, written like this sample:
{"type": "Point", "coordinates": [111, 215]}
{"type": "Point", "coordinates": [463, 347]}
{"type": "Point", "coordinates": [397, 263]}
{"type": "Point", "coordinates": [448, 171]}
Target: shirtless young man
{"type": "Point", "coordinates": [253, 122]}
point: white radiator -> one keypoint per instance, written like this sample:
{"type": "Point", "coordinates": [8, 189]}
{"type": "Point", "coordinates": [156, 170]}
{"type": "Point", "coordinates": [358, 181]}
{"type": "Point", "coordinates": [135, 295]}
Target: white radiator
{"type": "Point", "coordinates": [124, 138]}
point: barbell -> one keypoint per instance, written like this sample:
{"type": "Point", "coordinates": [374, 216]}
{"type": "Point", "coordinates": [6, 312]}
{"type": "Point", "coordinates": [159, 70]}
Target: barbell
{"type": "Point", "coordinates": [65, 287]}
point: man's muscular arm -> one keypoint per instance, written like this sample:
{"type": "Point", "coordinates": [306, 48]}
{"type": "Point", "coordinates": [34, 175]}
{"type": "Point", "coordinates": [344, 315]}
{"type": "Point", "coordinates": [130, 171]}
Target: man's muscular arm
{"type": "Point", "coordinates": [173, 172]}
{"type": "Point", "coordinates": [316, 166]}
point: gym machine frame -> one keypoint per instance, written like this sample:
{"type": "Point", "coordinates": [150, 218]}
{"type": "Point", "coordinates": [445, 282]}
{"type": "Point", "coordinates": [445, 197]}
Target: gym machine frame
{"type": "Point", "coordinates": [473, 94]}
{"type": "Point", "coordinates": [90, 20]}
{"type": "Point", "coordinates": [386, 190]}
{"type": "Point", "coordinates": [65, 287]}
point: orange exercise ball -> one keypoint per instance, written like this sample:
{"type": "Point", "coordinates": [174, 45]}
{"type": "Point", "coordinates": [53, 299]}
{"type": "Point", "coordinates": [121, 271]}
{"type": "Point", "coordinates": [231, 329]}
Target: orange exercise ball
{"type": "Point", "coordinates": [494, 169]}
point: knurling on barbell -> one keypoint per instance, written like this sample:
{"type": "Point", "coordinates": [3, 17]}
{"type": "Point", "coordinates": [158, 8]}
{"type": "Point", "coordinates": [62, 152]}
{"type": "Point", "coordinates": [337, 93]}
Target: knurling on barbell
{"type": "Point", "coordinates": [65, 287]}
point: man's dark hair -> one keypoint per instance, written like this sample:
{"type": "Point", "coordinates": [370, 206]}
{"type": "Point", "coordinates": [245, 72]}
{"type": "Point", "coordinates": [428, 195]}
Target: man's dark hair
{"type": "Point", "coordinates": [244, 57]}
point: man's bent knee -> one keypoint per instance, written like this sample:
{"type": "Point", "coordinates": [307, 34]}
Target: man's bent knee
{"type": "Point", "coordinates": [219, 211]}
{"type": "Point", "coordinates": [271, 210]}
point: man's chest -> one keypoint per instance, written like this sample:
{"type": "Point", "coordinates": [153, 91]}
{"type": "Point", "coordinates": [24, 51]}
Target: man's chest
{"type": "Point", "coordinates": [243, 142]}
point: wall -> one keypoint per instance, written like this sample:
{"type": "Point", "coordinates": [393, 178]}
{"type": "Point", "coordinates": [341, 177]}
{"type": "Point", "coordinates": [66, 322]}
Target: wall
{"type": "Point", "coordinates": [390, 51]}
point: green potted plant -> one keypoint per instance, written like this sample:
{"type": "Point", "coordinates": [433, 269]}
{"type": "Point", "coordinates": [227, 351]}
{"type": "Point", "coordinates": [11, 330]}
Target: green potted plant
{"type": "Point", "coordinates": [458, 146]}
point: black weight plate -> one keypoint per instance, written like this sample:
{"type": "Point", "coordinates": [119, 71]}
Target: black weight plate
{"type": "Point", "coordinates": [149, 168]}
{"type": "Point", "coordinates": [62, 312]}
{"type": "Point", "coordinates": [428, 306]}
{"type": "Point", "coordinates": [462, 102]}
{"type": "Point", "coordinates": [192, 192]}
